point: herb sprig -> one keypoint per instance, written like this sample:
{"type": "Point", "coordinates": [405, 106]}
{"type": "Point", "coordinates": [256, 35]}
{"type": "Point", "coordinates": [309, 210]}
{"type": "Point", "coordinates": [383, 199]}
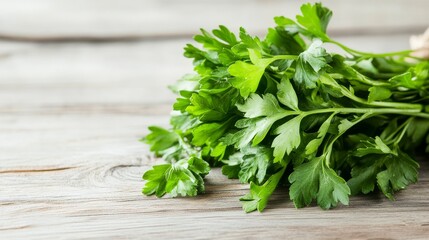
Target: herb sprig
{"type": "Point", "coordinates": [284, 112]}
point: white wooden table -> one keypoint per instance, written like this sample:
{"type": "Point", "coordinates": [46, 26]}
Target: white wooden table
{"type": "Point", "coordinates": [81, 80]}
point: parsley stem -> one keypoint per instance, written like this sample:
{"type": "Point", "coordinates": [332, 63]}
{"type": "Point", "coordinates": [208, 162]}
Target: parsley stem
{"type": "Point", "coordinates": [284, 57]}
{"type": "Point", "coordinates": [404, 130]}
{"type": "Point", "coordinates": [401, 105]}
{"type": "Point", "coordinates": [370, 111]}
{"type": "Point", "coordinates": [368, 54]}
{"type": "Point", "coordinates": [411, 112]}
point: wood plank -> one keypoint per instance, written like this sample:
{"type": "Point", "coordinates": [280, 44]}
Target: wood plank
{"type": "Point", "coordinates": [110, 75]}
{"type": "Point", "coordinates": [80, 177]}
{"type": "Point", "coordinates": [134, 19]}
{"type": "Point", "coordinates": [68, 74]}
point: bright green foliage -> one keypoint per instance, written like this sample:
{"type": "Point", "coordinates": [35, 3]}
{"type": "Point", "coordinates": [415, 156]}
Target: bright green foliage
{"type": "Point", "coordinates": [160, 139]}
{"type": "Point", "coordinates": [182, 178]}
{"type": "Point", "coordinates": [315, 180]}
{"type": "Point", "coordinates": [284, 112]}
{"type": "Point", "coordinates": [260, 106]}
{"type": "Point", "coordinates": [248, 75]}
{"type": "Point", "coordinates": [287, 94]}
{"type": "Point", "coordinates": [315, 19]}
{"type": "Point", "coordinates": [258, 197]}
{"type": "Point", "coordinates": [309, 64]}
{"type": "Point", "coordinates": [288, 138]}
{"type": "Point", "coordinates": [378, 93]}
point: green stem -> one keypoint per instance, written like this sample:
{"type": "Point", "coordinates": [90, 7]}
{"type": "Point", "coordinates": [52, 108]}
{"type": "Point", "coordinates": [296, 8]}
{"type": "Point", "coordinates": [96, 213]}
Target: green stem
{"type": "Point", "coordinates": [382, 104]}
{"type": "Point", "coordinates": [328, 80]}
{"type": "Point", "coordinates": [390, 138]}
{"type": "Point", "coordinates": [408, 112]}
{"type": "Point", "coordinates": [404, 130]}
{"type": "Point", "coordinates": [368, 54]}
{"type": "Point", "coordinates": [371, 111]}
{"type": "Point", "coordinates": [284, 57]}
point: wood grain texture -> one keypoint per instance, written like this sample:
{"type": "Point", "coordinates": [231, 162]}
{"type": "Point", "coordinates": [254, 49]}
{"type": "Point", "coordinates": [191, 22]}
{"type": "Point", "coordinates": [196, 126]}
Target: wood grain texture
{"type": "Point", "coordinates": [71, 115]}
{"type": "Point", "coordinates": [53, 20]}
{"type": "Point", "coordinates": [71, 176]}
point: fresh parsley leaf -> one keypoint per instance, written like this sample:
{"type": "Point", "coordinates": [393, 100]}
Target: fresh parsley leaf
{"type": "Point", "coordinates": [287, 94]}
{"type": "Point", "coordinates": [209, 133]}
{"type": "Point", "coordinates": [251, 129]}
{"type": "Point", "coordinates": [309, 63]}
{"type": "Point", "coordinates": [160, 139]}
{"type": "Point", "coordinates": [314, 144]}
{"type": "Point", "coordinates": [400, 171]}
{"type": "Point", "coordinates": [378, 93]}
{"type": "Point", "coordinates": [260, 106]}
{"type": "Point", "coordinates": [314, 180]}
{"type": "Point", "coordinates": [315, 19]}
{"type": "Point", "coordinates": [288, 138]}
{"type": "Point", "coordinates": [254, 164]}
{"type": "Point", "coordinates": [258, 197]}
{"type": "Point", "coordinates": [182, 178]}
{"type": "Point", "coordinates": [247, 76]}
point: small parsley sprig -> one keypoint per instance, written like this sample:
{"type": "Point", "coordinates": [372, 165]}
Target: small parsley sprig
{"type": "Point", "coordinates": [284, 112]}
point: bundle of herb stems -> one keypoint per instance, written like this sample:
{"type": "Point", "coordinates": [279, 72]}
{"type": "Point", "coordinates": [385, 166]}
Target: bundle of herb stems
{"type": "Point", "coordinates": [283, 112]}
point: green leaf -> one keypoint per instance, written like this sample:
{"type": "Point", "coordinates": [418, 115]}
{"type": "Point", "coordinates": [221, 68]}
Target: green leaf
{"type": "Point", "coordinates": [315, 180]}
{"type": "Point", "coordinates": [247, 76]}
{"type": "Point", "coordinates": [160, 139]}
{"type": "Point", "coordinates": [258, 197]}
{"type": "Point", "coordinates": [231, 171]}
{"type": "Point", "coordinates": [226, 35]}
{"type": "Point", "coordinates": [200, 56]}
{"type": "Point", "coordinates": [257, 106]}
{"type": "Point", "coordinates": [414, 78]}
{"type": "Point", "coordinates": [288, 25]}
{"type": "Point", "coordinates": [254, 164]}
{"type": "Point", "coordinates": [198, 166]}
{"type": "Point", "coordinates": [372, 146]}
{"type": "Point", "coordinates": [309, 63]}
{"type": "Point", "coordinates": [249, 42]}
{"type": "Point", "coordinates": [287, 94]}
{"type": "Point", "coordinates": [406, 80]}
{"type": "Point", "coordinates": [378, 93]}
{"type": "Point", "coordinates": [288, 138]}
{"type": "Point", "coordinates": [315, 19]}
{"type": "Point", "coordinates": [344, 125]}
{"type": "Point", "coordinates": [400, 172]}
{"type": "Point", "coordinates": [211, 107]}
{"type": "Point", "coordinates": [209, 42]}
{"type": "Point", "coordinates": [252, 129]}
{"type": "Point", "coordinates": [183, 178]}
{"type": "Point", "coordinates": [314, 144]}
{"type": "Point", "coordinates": [364, 174]}
{"type": "Point", "coordinates": [284, 41]}
{"type": "Point", "coordinates": [219, 151]}
{"type": "Point", "coordinates": [209, 133]}
{"type": "Point", "coordinates": [416, 132]}
{"type": "Point", "coordinates": [184, 122]}
{"type": "Point", "coordinates": [332, 190]}
{"type": "Point", "coordinates": [391, 172]}
{"type": "Point", "coordinates": [156, 180]}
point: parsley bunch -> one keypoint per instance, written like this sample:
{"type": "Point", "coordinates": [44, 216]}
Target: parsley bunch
{"type": "Point", "coordinates": [284, 112]}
